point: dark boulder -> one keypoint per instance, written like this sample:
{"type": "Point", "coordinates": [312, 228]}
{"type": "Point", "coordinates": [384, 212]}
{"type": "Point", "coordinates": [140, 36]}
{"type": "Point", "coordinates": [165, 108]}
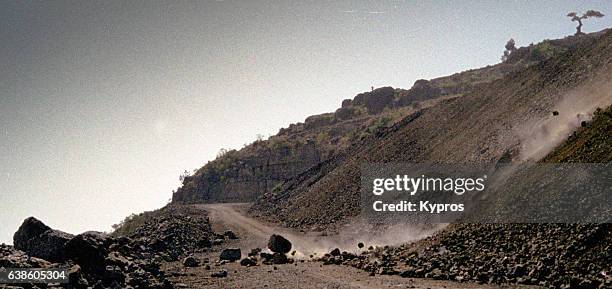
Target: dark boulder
{"type": "Point", "coordinates": [39, 240]}
{"type": "Point", "coordinates": [279, 244]}
{"type": "Point", "coordinates": [220, 274]}
{"type": "Point", "coordinates": [335, 252]}
{"type": "Point", "coordinates": [89, 250]}
{"type": "Point", "coordinates": [230, 254]}
{"type": "Point", "coordinates": [279, 258]}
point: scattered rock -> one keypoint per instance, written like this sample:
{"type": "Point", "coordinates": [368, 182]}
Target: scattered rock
{"type": "Point", "coordinates": [191, 261]}
{"type": "Point", "coordinates": [219, 274]}
{"type": "Point", "coordinates": [13, 258]}
{"type": "Point", "coordinates": [230, 254]}
{"type": "Point", "coordinates": [527, 254]}
{"type": "Point", "coordinates": [266, 257]}
{"type": "Point", "coordinates": [248, 262]}
{"type": "Point", "coordinates": [75, 277]}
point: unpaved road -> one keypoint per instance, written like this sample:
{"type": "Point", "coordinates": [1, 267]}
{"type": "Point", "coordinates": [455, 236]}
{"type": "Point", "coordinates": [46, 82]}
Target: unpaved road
{"type": "Point", "coordinates": [302, 274]}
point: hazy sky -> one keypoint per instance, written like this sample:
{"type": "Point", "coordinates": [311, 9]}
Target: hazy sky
{"type": "Point", "coordinates": [104, 103]}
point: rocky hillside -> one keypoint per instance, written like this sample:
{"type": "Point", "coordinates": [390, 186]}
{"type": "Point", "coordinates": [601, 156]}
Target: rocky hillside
{"type": "Point", "coordinates": [484, 125]}
{"type": "Point", "coordinates": [548, 255]}
{"type": "Point", "coordinates": [261, 167]}
{"type": "Point", "coordinates": [131, 258]}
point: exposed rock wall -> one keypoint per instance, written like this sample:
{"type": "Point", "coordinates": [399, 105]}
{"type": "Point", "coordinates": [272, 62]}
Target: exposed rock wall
{"type": "Point", "coordinates": [246, 178]}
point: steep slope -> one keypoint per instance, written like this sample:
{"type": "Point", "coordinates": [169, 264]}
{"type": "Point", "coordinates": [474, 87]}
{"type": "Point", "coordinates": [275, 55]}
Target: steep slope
{"type": "Point", "coordinates": [482, 126]}
{"type": "Point", "coordinates": [549, 255]}
{"type": "Point", "coordinates": [260, 167]}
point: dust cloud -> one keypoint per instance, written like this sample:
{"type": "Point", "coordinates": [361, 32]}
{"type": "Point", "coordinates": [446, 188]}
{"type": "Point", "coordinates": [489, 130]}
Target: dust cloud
{"type": "Point", "coordinates": [538, 138]}
{"type": "Point", "coordinates": [359, 232]}
{"type": "Point", "coordinates": [256, 233]}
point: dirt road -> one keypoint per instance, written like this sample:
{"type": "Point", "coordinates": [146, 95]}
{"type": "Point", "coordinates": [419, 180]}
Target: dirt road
{"type": "Point", "coordinates": [302, 274]}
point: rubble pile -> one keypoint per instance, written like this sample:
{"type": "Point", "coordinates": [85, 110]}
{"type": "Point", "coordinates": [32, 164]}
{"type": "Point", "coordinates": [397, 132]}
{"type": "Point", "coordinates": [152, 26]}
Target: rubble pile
{"type": "Point", "coordinates": [97, 260]}
{"type": "Point", "coordinates": [176, 232]}
{"type": "Point", "coordinates": [548, 255]}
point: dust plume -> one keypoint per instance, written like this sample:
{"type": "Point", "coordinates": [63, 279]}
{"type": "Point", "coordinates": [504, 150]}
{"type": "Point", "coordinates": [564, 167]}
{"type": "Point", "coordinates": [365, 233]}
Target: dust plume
{"type": "Point", "coordinates": [359, 232]}
{"type": "Point", "coordinates": [540, 137]}
{"type": "Point", "coordinates": [233, 216]}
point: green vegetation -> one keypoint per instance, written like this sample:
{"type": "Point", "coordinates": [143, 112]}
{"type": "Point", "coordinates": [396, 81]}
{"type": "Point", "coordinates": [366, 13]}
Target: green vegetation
{"type": "Point", "coordinates": [545, 50]}
{"type": "Point", "coordinates": [131, 223]}
{"type": "Point", "coordinates": [590, 144]}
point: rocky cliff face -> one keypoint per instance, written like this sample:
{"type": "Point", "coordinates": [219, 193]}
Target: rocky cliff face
{"type": "Point", "coordinates": [241, 177]}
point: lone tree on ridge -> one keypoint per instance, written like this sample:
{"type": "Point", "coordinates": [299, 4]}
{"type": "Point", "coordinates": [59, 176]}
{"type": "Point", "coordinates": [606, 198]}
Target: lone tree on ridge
{"type": "Point", "coordinates": [590, 13]}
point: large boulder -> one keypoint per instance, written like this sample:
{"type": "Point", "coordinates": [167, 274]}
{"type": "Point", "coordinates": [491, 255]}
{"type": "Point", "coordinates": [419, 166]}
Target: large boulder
{"type": "Point", "coordinates": [278, 244]}
{"type": "Point", "coordinates": [317, 121]}
{"type": "Point", "coordinates": [231, 254]}
{"type": "Point", "coordinates": [421, 90]}
{"type": "Point", "coordinates": [279, 258]}
{"type": "Point", "coordinates": [39, 240]}
{"type": "Point", "coordinates": [378, 99]}
{"type": "Point", "coordinates": [347, 102]}
{"type": "Point", "coordinates": [89, 250]}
